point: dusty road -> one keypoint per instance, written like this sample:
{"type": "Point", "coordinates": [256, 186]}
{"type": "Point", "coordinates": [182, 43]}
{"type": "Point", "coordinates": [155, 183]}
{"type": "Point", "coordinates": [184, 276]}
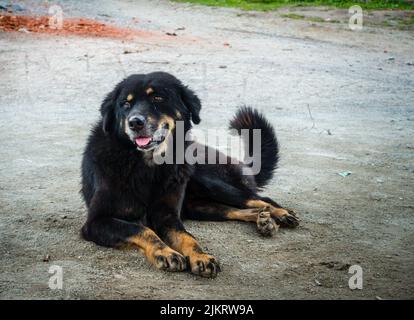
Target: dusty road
{"type": "Point", "coordinates": [340, 101]}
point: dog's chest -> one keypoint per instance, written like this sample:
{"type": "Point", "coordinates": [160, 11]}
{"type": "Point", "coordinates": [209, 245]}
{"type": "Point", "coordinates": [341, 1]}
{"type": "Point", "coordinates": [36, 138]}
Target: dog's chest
{"type": "Point", "coordinates": [144, 186]}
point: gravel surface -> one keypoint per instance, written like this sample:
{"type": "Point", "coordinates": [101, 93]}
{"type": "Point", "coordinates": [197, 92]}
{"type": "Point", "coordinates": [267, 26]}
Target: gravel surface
{"type": "Point", "coordinates": [341, 101]}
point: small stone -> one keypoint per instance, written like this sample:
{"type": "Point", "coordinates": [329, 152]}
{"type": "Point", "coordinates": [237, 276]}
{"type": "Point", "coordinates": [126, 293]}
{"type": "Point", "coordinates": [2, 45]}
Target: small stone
{"type": "Point", "coordinates": [377, 196]}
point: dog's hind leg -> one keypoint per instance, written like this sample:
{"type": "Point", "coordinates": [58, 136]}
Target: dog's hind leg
{"type": "Point", "coordinates": [222, 192]}
{"type": "Point", "coordinates": [201, 210]}
{"type": "Point", "coordinates": [283, 217]}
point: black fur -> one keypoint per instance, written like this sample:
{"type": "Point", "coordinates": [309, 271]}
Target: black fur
{"type": "Point", "coordinates": [118, 186]}
{"type": "Point", "coordinates": [124, 193]}
{"type": "Point", "coordinates": [248, 118]}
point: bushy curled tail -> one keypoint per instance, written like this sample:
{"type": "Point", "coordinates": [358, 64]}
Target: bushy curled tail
{"type": "Point", "coordinates": [249, 118]}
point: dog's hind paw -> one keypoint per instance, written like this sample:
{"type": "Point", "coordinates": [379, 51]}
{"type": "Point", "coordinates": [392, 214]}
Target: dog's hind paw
{"type": "Point", "coordinates": [288, 220]}
{"type": "Point", "coordinates": [266, 226]}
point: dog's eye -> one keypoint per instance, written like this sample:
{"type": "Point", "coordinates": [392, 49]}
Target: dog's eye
{"type": "Point", "coordinates": [157, 99]}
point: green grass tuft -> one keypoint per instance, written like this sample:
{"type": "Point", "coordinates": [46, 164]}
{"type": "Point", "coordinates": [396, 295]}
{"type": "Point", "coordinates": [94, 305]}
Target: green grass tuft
{"type": "Point", "coordinates": [264, 5]}
{"type": "Point", "coordinates": [312, 19]}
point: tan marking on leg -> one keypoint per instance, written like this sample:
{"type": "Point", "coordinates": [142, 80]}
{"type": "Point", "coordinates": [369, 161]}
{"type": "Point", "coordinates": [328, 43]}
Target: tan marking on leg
{"type": "Point", "coordinates": [277, 212]}
{"type": "Point", "coordinates": [148, 242]}
{"type": "Point", "coordinates": [257, 204]}
{"type": "Point", "coordinates": [157, 252]}
{"type": "Point", "coordinates": [282, 216]}
{"type": "Point", "coordinates": [247, 215]}
{"type": "Point", "coordinates": [184, 243]}
{"type": "Point", "coordinates": [201, 263]}
{"type": "Point", "coordinates": [265, 224]}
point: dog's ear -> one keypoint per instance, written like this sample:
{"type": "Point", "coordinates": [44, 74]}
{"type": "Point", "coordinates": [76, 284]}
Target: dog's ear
{"type": "Point", "coordinates": [192, 102]}
{"type": "Point", "coordinates": [108, 110]}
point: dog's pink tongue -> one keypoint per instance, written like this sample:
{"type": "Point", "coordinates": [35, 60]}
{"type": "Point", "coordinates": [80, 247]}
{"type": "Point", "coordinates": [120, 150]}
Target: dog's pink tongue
{"type": "Point", "coordinates": [143, 141]}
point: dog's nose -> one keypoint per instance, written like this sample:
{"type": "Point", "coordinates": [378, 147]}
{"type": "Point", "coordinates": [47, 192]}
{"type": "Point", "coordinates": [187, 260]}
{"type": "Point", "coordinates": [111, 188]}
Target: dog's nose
{"type": "Point", "coordinates": [136, 122]}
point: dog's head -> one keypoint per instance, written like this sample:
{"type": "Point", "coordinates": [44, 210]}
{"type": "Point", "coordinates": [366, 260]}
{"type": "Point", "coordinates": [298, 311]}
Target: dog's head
{"type": "Point", "coordinates": [144, 108]}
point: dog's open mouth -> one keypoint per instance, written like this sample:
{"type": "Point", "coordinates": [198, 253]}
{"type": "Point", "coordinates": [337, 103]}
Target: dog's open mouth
{"type": "Point", "coordinates": [143, 142]}
{"type": "Point", "coordinates": [146, 143]}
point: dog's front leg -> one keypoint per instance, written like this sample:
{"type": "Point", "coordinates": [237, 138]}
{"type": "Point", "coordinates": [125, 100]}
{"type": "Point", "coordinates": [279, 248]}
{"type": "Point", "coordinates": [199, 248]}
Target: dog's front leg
{"type": "Point", "coordinates": [201, 263]}
{"type": "Point", "coordinates": [106, 230]}
{"type": "Point", "coordinates": [165, 218]}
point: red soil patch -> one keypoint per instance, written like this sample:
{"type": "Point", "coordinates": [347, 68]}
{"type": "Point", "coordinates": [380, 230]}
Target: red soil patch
{"type": "Point", "coordinates": [73, 26]}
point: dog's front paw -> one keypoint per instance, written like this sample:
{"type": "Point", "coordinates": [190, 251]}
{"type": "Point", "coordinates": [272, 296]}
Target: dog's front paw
{"type": "Point", "coordinates": [204, 265]}
{"type": "Point", "coordinates": [169, 260]}
{"type": "Point", "coordinates": [266, 226]}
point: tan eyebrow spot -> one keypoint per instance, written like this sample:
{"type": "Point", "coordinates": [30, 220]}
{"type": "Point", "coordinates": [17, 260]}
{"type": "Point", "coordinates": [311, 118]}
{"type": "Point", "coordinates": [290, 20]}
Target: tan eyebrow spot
{"type": "Point", "coordinates": [149, 91]}
{"type": "Point", "coordinates": [166, 119]}
{"type": "Point", "coordinates": [130, 97]}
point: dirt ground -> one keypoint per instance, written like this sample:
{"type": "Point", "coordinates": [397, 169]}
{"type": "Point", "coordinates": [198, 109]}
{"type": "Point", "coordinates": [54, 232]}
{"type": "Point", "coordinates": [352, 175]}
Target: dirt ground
{"type": "Point", "coordinates": [341, 101]}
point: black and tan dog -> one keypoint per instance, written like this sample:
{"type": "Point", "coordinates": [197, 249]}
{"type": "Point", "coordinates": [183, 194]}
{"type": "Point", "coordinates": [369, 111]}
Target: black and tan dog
{"type": "Point", "coordinates": [133, 201]}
